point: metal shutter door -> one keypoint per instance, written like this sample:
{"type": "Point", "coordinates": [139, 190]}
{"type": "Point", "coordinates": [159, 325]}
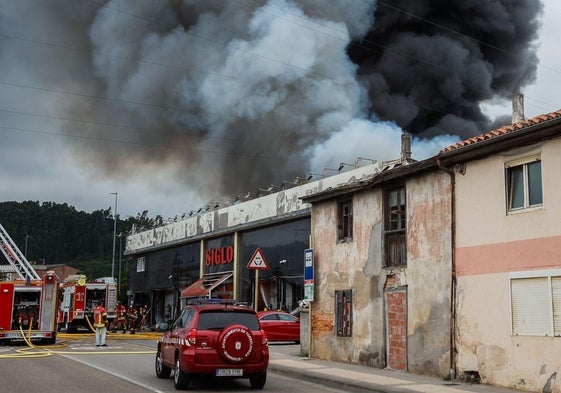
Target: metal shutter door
{"type": "Point", "coordinates": [531, 306]}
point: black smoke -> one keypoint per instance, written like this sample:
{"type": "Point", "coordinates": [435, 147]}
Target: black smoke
{"type": "Point", "coordinates": [429, 64]}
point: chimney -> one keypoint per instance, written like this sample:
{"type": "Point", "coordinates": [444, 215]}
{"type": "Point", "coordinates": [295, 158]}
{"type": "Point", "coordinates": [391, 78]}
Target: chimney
{"type": "Point", "coordinates": [517, 108]}
{"type": "Point", "coordinates": [405, 147]}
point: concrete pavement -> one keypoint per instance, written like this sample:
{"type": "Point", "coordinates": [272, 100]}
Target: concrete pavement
{"type": "Point", "coordinates": [287, 360]}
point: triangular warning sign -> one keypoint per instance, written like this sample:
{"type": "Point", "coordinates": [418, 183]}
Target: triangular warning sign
{"type": "Point", "coordinates": [258, 261]}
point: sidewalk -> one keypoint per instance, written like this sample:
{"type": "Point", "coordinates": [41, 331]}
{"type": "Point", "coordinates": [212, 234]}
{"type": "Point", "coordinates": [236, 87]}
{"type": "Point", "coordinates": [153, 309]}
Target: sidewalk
{"type": "Point", "coordinates": [286, 360]}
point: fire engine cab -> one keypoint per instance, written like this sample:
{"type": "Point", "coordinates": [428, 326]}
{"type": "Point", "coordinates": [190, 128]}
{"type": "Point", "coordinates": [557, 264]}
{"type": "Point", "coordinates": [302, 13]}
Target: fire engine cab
{"type": "Point", "coordinates": [78, 297]}
{"type": "Point", "coordinates": [28, 305]}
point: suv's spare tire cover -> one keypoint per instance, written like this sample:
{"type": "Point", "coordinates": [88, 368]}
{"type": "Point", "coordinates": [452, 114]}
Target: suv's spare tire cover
{"type": "Point", "coordinates": [235, 343]}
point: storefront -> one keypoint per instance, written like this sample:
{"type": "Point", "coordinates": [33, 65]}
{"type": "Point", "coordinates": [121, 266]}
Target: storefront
{"type": "Point", "coordinates": [207, 254]}
{"type": "Point", "coordinates": [159, 278]}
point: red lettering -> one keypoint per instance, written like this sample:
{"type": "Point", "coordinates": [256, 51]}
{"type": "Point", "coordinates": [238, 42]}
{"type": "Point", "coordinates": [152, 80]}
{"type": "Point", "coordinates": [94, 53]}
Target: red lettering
{"type": "Point", "coordinates": [219, 256]}
{"type": "Point", "coordinates": [230, 254]}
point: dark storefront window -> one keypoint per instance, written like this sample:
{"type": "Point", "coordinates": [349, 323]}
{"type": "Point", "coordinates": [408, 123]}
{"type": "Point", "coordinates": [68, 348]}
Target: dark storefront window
{"type": "Point", "coordinates": [169, 268]}
{"type": "Point", "coordinates": [166, 272]}
{"type": "Point", "coordinates": [283, 245]}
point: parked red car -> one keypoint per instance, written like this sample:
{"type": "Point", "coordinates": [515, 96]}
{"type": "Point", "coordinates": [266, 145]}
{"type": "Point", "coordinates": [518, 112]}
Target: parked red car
{"type": "Point", "coordinates": [280, 326]}
{"type": "Point", "coordinates": [212, 338]}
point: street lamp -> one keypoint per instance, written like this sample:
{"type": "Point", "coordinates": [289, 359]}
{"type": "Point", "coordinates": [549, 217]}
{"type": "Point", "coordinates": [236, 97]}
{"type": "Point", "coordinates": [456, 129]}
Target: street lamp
{"type": "Point", "coordinates": [114, 235]}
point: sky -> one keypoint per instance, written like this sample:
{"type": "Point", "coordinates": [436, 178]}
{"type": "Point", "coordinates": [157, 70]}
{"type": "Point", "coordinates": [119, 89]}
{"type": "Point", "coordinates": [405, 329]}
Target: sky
{"type": "Point", "coordinates": [176, 105]}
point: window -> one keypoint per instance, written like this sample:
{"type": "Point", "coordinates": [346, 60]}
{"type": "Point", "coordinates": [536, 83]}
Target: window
{"type": "Point", "coordinates": [536, 303]}
{"type": "Point", "coordinates": [140, 266]}
{"type": "Point", "coordinates": [344, 313]}
{"type": "Point", "coordinates": [524, 183]}
{"type": "Point", "coordinates": [345, 225]}
{"type": "Point", "coordinates": [395, 253]}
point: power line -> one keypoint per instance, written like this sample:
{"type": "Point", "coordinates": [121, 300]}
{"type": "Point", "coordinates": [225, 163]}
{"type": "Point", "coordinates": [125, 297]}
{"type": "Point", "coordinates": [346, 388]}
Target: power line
{"type": "Point", "coordinates": [106, 124]}
{"type": "Point", "coordinates": [141, 144]}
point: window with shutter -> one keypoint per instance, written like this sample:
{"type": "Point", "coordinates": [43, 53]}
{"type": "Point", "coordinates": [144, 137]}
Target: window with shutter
{"type": "Point", "coordinates": [530, 306]}
{"type": "Point", "coordinates": [536, 302]}
{"type": "Point", "coordinates": [395, 250]}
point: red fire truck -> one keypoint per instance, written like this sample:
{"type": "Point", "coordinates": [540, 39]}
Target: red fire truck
{"type": "Point", "coordinates": [28, 305]}
{"type": "Point", "coordinates": [78, 299]}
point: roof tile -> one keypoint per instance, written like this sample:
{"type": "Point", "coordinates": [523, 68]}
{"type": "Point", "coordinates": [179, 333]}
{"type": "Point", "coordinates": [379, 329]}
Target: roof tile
{"type": "Point", "coordinates": [504, 130]}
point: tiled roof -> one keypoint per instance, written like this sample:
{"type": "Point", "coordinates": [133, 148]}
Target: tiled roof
{"type": "Point", "coordinates": [504, 130]}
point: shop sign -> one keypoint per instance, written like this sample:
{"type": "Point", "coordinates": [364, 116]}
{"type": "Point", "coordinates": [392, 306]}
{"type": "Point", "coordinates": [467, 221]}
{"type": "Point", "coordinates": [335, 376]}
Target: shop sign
{"type": "Point", "coordinates": [219, 256]}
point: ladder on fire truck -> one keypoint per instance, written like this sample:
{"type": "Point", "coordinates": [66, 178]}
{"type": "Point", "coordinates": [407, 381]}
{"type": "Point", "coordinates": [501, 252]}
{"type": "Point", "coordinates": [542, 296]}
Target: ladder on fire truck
{"type": "Point", "coordinates": [13, 254]}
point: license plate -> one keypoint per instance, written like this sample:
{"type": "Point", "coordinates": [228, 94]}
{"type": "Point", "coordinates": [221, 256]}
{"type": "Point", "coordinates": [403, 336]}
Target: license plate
{"type": "Point", "coordinates": [229, 372]}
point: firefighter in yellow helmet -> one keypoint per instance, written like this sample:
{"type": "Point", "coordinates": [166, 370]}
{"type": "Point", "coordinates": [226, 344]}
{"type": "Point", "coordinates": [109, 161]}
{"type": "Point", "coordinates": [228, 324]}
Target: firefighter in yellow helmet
{"type": "Point", "coordinates": [100, 325]}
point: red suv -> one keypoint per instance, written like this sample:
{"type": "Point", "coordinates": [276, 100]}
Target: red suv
{"type": "Point", "coordinates": [214, 338]}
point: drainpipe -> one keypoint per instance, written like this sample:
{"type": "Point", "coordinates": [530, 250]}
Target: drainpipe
{"type": "Point", "coordinates": [453, 270]}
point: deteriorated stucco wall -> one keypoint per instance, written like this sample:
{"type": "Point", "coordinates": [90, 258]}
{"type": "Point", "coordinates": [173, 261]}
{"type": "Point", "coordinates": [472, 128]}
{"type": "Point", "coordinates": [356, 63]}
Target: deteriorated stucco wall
{"type": "Point", "coordinates": [429, 269]}
{"type": "Point", "coordinates": [358, 265]}
{"type": "Point", "coordinates": [354, 265]}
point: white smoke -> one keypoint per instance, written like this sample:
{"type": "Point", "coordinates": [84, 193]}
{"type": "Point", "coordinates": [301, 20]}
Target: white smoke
{"type": "Point", "coordinates": [272, 80]}
{"type": "Point", "coordinates": [378, 140]}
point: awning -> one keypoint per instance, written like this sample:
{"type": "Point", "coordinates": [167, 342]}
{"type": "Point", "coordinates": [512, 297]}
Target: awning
{"type": "Point", "coordinates": [204, 285]}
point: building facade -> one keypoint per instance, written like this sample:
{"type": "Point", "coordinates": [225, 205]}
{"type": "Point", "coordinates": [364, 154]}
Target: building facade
{"type": "Point", "coordinates": [508, 254]}
{"type": "Point", "coordinates": [383, 286]}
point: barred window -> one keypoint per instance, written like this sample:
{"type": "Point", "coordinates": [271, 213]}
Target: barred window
{"type": "Point", "coordinates": [344, 312]}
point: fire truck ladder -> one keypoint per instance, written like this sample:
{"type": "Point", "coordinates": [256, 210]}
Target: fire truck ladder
{"type": "Point", "coordinates": [13, 254]}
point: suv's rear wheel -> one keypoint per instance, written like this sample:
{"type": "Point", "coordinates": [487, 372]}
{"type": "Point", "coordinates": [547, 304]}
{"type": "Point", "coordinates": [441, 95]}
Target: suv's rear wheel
{"type": "Point", "coordinates": [180, 379]}
{"type": "Point", "coordinates": [236, 343]}
{"type": "Point", "coordinates": [258, 381]}
{"type": "Point", "coordinates": [162, 371]}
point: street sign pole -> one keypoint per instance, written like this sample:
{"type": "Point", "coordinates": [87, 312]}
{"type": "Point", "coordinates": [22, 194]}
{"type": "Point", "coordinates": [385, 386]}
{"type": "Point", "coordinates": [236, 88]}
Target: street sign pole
{"type": "Point", "coordinates": [256, 304]}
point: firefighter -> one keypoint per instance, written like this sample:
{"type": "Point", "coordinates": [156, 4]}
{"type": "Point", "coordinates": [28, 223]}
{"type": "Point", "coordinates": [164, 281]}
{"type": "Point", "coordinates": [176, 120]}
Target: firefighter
{"type": "Point", "coordinates": [121, 319]}
{"type": "Point", "coordinates": [132, 316]}
{"type": "Point", "coordinates": [100, 324]}
{"type": "Point", "coordinates": [143, 318]}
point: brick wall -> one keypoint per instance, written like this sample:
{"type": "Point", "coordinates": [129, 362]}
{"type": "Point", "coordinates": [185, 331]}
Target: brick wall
{"type": "Point", "coordinates": [397, 330]}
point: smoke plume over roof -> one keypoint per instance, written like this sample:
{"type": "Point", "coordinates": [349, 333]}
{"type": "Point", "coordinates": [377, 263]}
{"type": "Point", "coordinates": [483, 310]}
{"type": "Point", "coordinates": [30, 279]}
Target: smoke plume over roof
{"type": "Point", "coordinates": [233, 95]}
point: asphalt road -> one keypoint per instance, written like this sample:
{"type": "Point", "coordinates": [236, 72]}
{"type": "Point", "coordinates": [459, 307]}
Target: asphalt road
{"type": "Point", "coordinates": [124, 366]}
